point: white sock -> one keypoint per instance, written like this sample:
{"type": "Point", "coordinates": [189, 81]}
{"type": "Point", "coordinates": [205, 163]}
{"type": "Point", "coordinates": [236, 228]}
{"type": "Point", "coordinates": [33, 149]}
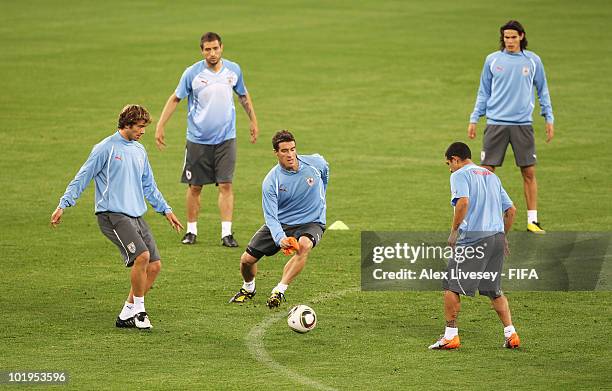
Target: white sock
{"type": "Point", "coordinates": [280, 287]}
{"type": "Point", "coordinates": [532, 216]}
{"type": "Point", "coordinates": [508, 331]}
{"type": "Point", "coordinates": [226, 228]}
{"type": "Point", "coordinates": [127, 311]}
{"type": "Point", "coordinates": [192, 227]}
{"type": "Point", "coordinates": [139, 305]}
{"type": "Point", "coordinates": [450, 332]}
{"type": "Point", "coordinates": [249, 286]}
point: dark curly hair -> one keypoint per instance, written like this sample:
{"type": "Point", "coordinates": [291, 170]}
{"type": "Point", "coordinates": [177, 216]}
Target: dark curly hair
{"type": "Point", "coordinates": [131, 115]}
{"type": "Point", "coordinates": [282, 136]}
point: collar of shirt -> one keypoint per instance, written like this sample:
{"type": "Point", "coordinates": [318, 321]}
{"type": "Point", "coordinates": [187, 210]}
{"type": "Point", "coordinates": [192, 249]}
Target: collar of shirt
{"type": "Point", "coordinates": [119, 137]}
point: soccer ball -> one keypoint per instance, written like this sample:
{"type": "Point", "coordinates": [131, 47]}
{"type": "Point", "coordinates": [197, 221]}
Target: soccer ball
{"type": "Point", "coordinates": [301, 319]}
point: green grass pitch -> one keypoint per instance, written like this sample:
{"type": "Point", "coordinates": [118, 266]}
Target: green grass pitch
{"type": "Point", "coordinates": [380, 88]}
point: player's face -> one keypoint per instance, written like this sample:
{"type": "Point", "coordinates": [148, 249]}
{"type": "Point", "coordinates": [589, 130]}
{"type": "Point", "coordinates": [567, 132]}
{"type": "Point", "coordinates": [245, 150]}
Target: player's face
{"type": "Point", "coordinates": [453, 164]}
{"type": "Point", "coordinates": [212, 52]}
{"type": "Point", "coordinates": [135, 132]}
{"type": "Point", "coordinates": [287, 155]}
{"type": "Point", "coordinates": [512, 40]}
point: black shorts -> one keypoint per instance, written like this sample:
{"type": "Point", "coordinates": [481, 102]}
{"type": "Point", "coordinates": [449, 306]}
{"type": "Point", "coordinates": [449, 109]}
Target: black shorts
{"type": "Point", "coordinates": [131, 235]}
{"type": "Point", "coordinates": [262, 243]}
{"type": "Point", "coordinates": [497, 138]}
{"type": "Point", "coordinates": [206, 164]}
{"type": "Point", "coordinates": [463, 271]}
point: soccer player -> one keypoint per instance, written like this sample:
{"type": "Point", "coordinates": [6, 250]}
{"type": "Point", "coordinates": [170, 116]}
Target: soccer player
{"type": "Point", "coordinates": [293, 200]}
{"type": "Point", "coordinates": [506, 98]}
{"type": "Point", "coordinates": [123, 178]}
{"type": "Point", "coordinates": [483, 214]}
{"type": "Point", "coordinates": [210, 154]}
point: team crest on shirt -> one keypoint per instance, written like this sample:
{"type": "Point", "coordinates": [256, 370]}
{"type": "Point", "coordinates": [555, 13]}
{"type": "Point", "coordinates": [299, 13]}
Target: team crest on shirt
{"type": "Point", "coordinates": [310, 180]}
{"type": "Point", "coordinates": [525, 71]}
{"type": "Point", "coordinates": [231, 80]}
{"type": "Point", "coordinates": [131, 247]}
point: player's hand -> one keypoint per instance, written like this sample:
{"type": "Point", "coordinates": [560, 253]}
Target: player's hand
{"type": "Point", "coordinates": [174, 222]}
{"type": "Point", "coordinates": [159, 137]}
{"type": "Point", "coordinates": [471, 131]}
{"type": "Point", "coordinates": [550, 132]}
{"type": "Point", "coordinates": [56, 217]}
{"type": "Point", "coordinates": [254, 129]}
{"type": "Point", "coordinates": [289, 245]}
{"type": "Point", "coordinates": [506, 247]}
{"type": "Point", "coordinates": [452, 238]}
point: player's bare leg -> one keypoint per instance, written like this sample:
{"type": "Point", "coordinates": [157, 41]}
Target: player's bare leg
{"type": "Point", "coordinates": [141, 283]}
{"type": "Point", "coordinates": [452, 306]}
{"type": "Point", "coordinates": [500, 304]}
{"type": "Point", "coordinates": [153, 269]}
{"type": "Point", "coordinates": [530, 187]}
{"type": "Point", "coordinates": [226, 209]}
{"type": "Point", "coordinates": [248, 269]}
{"type": "Point", "coordinates": [297, 262]}
{"type": "Point", "coordinates": [291, 270]}
{"type": "Point", "coordinates": [193, 211]}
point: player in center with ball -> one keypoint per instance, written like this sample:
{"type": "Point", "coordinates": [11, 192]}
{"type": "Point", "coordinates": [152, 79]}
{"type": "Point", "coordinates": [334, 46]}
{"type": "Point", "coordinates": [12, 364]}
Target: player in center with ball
{"type": "Point", "coordinates": [293, 201]}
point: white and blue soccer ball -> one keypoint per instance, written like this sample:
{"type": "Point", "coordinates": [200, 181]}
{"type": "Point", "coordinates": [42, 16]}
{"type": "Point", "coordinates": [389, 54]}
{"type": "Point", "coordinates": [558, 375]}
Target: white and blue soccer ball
{"type": "Point", "coordinates": [301, 319]}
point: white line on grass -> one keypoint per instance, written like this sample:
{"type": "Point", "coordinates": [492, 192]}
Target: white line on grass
{"type": "Point", "coordinates": [254, 341]}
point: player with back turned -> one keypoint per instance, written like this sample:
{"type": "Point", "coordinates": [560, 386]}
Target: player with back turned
{"type": "Point", "coordinates": [483, 215]}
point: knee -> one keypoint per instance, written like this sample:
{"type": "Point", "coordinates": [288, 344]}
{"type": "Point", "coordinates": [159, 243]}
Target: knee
{"type": "Point", "coordinates": [247, 259]}
{"type": "Point", "coordinates": [142, 260]}
{"type": "Point", "coordinates": [305, 247]}
{"type": "Point", "coordinates": [225, 188]}
{"type": "Point", "coordinates": [528, 174]}
{"type": "Point", "coordinates": [195, 189]}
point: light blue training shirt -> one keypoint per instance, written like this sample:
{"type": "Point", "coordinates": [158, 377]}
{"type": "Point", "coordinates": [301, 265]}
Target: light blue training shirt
{"type": "Point", "coordinates": [292, 198]}
{"type": "Point", "coordinates": [123, 179]}
{"type": "Point", "coordinates": [487, 202]}
{"type": "Point", "coordinates": [211, 114]}
{"type": "Point", "coordinates": [506, 95]}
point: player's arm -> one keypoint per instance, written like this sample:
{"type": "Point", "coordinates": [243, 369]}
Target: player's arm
{"type": "Point", "coordinates": [156, 199]}
{"type": "Point", "coordinates": [167, 112]}
{"type": "Point", "coordinates": [461, 208]}
{"type": "Point", "coordinates": [269, 201]}
{"type": "Point", "coordinates": [544, 98]}
{"type": "Point", "coordinates": [509, 210]}
{"type": "Point", "coordinates": [247, 105]}
{"type": "Point", "coordinates": [484, 92]}
{"type": "Point", "coordinates": [93, 165]}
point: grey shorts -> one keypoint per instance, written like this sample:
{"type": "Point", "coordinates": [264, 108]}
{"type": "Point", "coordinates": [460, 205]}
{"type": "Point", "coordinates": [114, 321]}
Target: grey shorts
{"type": "Point", "coordinates": [468, 273]}
{"type": "Point", "coordinates": [131, 235]}
{"type": "Point", "coordinates": [206, 164]}
{"type": "Point", "coordinates": [262, 243]}
{"type": "Point", "coordinates": [497, 138]}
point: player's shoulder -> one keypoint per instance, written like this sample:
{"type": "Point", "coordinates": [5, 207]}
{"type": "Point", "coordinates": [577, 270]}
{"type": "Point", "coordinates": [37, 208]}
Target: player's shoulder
{"type": "Point", "coordinates": [315, 159]}
{"type": "Point", "coordinates": [531, 55]}
{"type": "Point", "coordinates": [231, 65]}
{"type": "Point", "coordinates": [492, 56]}
{"type": "Point", "coordinates": [194, 68]}
{"type": "Point", "coordinates": [272, 175]}
{"type": "Point", "coordinates": [106, 143]}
